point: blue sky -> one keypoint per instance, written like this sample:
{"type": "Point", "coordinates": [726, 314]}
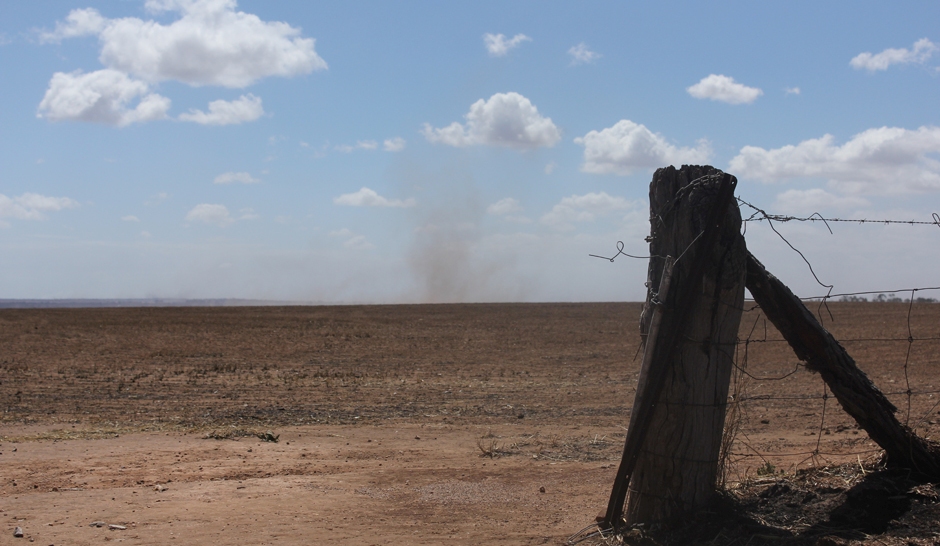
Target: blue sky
{"type": "Point", "coordinates": [379, 152]}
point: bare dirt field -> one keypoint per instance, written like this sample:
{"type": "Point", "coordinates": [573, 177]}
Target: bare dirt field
{"type": "Point", "coordinates": [423, 424]}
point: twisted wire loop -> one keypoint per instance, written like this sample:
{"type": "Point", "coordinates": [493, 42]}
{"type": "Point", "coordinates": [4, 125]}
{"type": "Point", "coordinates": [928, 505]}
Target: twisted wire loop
{"type": "Point", "coordinates": [620, 252]}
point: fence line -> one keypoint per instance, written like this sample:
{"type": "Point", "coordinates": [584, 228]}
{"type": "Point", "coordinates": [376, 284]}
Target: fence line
{"type": "Point", "coordinates": [908, 391]}
{"type": "Point", "coordinates": [740, 360]}
{"type": "Point", "coordinates": [742, 352]}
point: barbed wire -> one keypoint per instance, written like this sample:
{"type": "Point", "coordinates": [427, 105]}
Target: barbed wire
{"type": "Point", "coordinates": [816, 217]}
{"type": "Point", "coordinates": [760, 215]}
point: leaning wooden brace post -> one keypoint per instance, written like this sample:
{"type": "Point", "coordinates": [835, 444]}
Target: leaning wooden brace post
{"type": "Point", "coordinates": [851, 387]}
{"type": "Point", "coordinates": [670, 457]}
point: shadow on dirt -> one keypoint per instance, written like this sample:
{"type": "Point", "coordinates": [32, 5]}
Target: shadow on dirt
{"type": "Point", "coordinates": [830, 506]}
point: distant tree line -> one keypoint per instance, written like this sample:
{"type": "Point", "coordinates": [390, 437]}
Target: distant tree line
{"type": "Point", "coordinates": [887, 298]}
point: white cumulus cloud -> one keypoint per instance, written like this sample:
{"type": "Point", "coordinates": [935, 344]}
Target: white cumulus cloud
{"type": "Point", "coordinates": [211, 43]}
{"type": "Point", "coordinates": [884, 160]}
{"type": "Point", "coordinates": [221, 112]}
{"type": "Point", "coordinates": [32, 206]}
{"type": "Point", "coordinates": [922, 51]}
{"type": "Point", "coordinates": [396, 144]}
{"type": "Point", "coordinates": [80, 22]}
{"type": "Point", "coordinates": [628, 146]}
{"type": "Point", "coordinates": [369, 198]}
{"type": "Point", "coordinates": [581, 54]}
{"type": "Point", "coordinates": [498, 46]}
{"type": "Point", "coordinates": [130, 218]}
{"type": "Point", "coordinates": [584, 208]}
{"type": "Point", "coordinates": [217, 215]}
{"type": "Point", "coordinates": [506, 119]}
{"type": "Point", "coordinates": [724, 89]}
{"type": "Point", "coordinates": [103, 96]}
{"type": "Point", "coordinates": [230, 177]}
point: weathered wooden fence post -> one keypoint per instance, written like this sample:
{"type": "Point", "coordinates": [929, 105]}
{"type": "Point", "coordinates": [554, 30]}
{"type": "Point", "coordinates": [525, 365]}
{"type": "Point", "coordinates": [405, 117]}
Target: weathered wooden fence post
{"type": "Point", "coordinates": [671, 454]}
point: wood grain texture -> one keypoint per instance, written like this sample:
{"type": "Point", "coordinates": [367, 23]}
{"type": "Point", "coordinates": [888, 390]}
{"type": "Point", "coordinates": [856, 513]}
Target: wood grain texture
{"type": "Point", "coordinates": [695, 219]}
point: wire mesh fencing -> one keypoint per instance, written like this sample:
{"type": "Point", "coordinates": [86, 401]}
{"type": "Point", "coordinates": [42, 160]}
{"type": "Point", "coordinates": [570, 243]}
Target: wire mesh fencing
{"type": "Point", "coordinates": [782, 417]}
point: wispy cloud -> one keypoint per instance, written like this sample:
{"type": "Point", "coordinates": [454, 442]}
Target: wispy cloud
{"type": "Point", "coordinates": [504, 206]}
{"type": "Point", "coordinates": [221, 112]}
{"type": "Point", "coordinates": [814, 200]}
{"type": "Point", "coordinates": [360, 145]}
{"type": "Point", "coordinates": [508, 209]}
{"type": "Point", "coordinates": [212, 214]}
{"type": "Point", "coordinates": [352, 240]}
{"type": "Point", "coordinates": [498, 46]}
{"type": "Point", "coordinates": [581, 54]}
{"type": "Point", "coordinates": [157, 199]}
{"type": "Point", "coordinates": [396, 144]}
{"type": "Point", "coordinates": [32, 206]}
{"type": "Point", "coordinates": [369, 198]}
{"type": "Point", "coordinates": [584, 208]}
{"type": "Point", "coordinates": [922, 50]}
{"type": "Point", "coordinates": [232, 177]}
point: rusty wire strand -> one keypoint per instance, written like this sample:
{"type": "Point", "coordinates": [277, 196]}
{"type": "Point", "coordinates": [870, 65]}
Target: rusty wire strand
{"type": "Point", "coordinates": [770, 223]}
{"type": "Point", "coordinates": [816, 217]}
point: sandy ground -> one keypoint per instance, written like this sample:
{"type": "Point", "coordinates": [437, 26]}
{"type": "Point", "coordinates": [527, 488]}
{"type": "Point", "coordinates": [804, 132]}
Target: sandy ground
{"type": "Point", "coordinates": [406, 484]}
{"type": "Point", "coordinates": [485, 424]}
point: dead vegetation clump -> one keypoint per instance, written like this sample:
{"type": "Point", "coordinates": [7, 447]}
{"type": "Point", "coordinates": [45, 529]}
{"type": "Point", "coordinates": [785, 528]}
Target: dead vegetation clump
{"type": "Point", "coordinates": [551, 447]}
{"type": "Point", "coordinates": [233, 433]}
